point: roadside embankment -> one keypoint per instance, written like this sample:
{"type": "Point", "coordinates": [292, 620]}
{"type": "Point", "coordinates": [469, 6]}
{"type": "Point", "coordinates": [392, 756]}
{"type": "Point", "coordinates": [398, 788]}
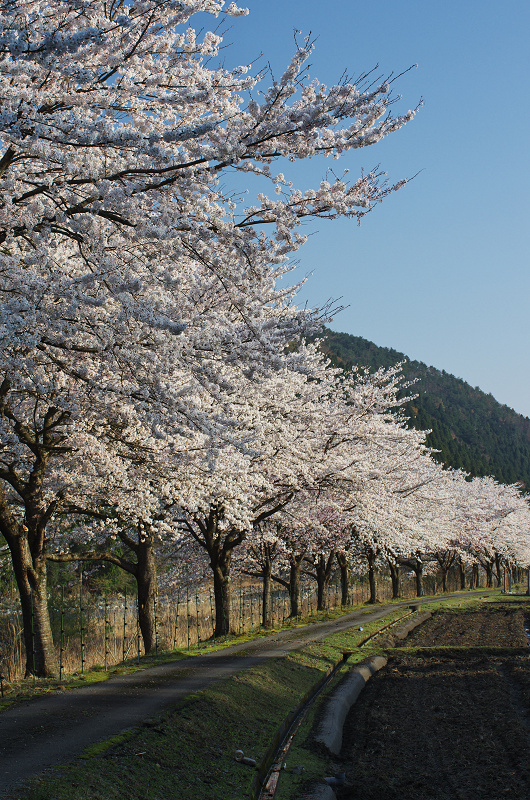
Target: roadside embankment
{"type": "Point", "coordinates": [193, 718]}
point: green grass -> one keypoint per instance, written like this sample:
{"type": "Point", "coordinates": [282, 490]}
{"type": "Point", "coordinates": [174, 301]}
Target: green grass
{"type": "Point", "coordinates": [189, 750]}
{"type": "Point", "coordinates": [27, 688]}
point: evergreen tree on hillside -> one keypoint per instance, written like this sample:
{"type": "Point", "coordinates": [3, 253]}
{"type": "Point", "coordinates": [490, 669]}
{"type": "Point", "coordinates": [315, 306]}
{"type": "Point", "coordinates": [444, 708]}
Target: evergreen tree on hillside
{"type": "Point", "coordinates": [469, 428]}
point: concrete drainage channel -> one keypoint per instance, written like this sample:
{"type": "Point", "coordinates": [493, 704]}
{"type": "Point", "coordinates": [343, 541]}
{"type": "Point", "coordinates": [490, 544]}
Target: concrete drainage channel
{"type": "Point", "coordinates": [337, 707]}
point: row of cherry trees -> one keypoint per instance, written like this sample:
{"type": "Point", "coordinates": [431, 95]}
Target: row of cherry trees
{"type": "Point", "coordinates": [157, 396]}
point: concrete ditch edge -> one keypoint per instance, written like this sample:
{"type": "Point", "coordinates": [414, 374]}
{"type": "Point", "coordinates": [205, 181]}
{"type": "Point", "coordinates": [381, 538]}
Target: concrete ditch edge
{"type": "Point", "coordinates": [329, 732]}
{"type": "Point", "coordinates": [337, 707]}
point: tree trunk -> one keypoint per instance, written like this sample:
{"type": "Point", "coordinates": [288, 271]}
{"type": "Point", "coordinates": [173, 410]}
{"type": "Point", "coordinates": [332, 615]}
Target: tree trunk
{"type": "Point", "coordinates": [418, 572]}
{"type": "Point", "coordinates": [31, 578]}
{"type": "Point", "coordinates": [370, 557]}
{"type": "Point", "coordinates": [461, 575]}
{"type": "Point", "coordinates": [222, 595]}
{"type": "Point", "coordinates": [219, 547]}
{"type": "Point", "coordinates": [27, 545]}
{"type": "Point", "coordinates": [266, 594]}
{"type": "Point", "coordinates": [416, 565]}
{"type": "Point", "coordinates": [345, 573]}
{"type": "Point", "coordinates": [146, 579]}
{"type": "Point", "coordinates": [323, 574]}
{"type": "Point", "coordinates": [394, 576]}
{"type": "Point", "coordinates": [322, 596]}
{"type": "Point", "coordinates": [498, 569]}
{"type": "Point", "coordinates": [295, 594]}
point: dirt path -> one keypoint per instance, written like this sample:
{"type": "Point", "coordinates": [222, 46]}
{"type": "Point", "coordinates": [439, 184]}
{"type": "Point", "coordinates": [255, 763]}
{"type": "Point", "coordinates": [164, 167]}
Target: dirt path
{"type": "Point", "coordinates": [445, 727]}
{"type": "Point", "coordinates": [40, 734]}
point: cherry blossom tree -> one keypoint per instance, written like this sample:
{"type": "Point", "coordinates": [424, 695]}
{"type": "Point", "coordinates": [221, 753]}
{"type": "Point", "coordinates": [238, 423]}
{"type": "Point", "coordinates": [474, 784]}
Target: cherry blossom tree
{"type": "Point", "coordinates": [302, 429]}
{"type": "Point", "coordinates": [402, 502]}
{"type": "Point", "coordinates": [294, 537]}
{"type": "Point", "coordinates": [347, 419]}
{"type": "Point", "coordinates": [281, 416]}
{"type": "Point", "coordinates": [261, 555]}
{"type": "Point", "coordinates": [129, 277]}
{"type": "Point", "coordinates": [493, 520]}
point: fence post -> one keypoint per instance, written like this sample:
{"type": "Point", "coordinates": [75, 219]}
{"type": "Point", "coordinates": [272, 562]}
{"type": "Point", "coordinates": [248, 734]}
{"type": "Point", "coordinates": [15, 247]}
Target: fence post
{"type": "Point", "coordinates": [61, 646]}
{"type": "Point", "coordinates": [124, 624]}
{"type": "Point", "coordinates": [81, 618]}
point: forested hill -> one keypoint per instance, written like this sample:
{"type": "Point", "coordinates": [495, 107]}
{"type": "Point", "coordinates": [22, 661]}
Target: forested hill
{"type": "Point", "coordinates": [469, 428]}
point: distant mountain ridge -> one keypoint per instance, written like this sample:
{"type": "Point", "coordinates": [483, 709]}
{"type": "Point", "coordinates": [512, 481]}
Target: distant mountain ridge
{"type": "Point", "coordinates": [471, 429]}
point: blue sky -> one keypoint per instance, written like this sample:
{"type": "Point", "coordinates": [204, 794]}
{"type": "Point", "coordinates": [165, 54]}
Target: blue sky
{"type": "Point", "coordinates": [439, 271]}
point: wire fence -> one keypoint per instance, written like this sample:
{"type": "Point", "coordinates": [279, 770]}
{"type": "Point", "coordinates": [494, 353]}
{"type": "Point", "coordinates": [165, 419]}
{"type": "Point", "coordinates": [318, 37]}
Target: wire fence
{"type": "Point", "coordinates": [99, 631]}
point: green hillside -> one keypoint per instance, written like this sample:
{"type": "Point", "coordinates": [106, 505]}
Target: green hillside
{"type": "Point", "coordinates": [469, 428]}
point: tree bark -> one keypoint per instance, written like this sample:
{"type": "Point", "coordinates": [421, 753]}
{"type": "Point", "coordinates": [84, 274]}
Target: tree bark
{"type": "Point", "coordinates": [445, 559]}
{"type": "Point", "coordinates": [394, 576]}
{"type": "Point", "coordinates": [147, 583]}
{"type": "Point", "coordinates": [219, 546]}
{"type": "Point", "coordinates": [295, 593]}
{"type": "Point", "coordinates": [27, 545]}
{"type": "Point", "coordinates": [266, 595]}
{"type": "Point", "coordinates": [370, 557]}
{"type": "Point", "coordinates": [418, 572]}
{"type": "Point", "coordinates": [498, 569]}
{"type": "Point", "coordinates": [461, 574]}
{"type": "Point", "coordinates": [30, 575]}
{"type": "Point", "coordinates": [323, 568]}
{"type": "Point", "coordinates": [345, 574]}
{"type": "Point", "coordinates": [222, 595]}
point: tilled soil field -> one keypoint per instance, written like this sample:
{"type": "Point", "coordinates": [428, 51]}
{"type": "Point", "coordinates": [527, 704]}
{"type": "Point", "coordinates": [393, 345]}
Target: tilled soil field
{"type": "Point", "coordinates": [446, 723]}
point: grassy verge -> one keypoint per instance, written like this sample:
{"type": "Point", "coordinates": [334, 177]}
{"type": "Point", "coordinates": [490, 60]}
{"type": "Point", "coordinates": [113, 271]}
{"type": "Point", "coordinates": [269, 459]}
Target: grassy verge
{"type": "Point", "coordinates": [189, 751]}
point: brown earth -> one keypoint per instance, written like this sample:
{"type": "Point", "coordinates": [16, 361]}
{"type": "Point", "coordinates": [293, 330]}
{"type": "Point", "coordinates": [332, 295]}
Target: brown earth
{"type": "Point", "coordinates": [449, 724]}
